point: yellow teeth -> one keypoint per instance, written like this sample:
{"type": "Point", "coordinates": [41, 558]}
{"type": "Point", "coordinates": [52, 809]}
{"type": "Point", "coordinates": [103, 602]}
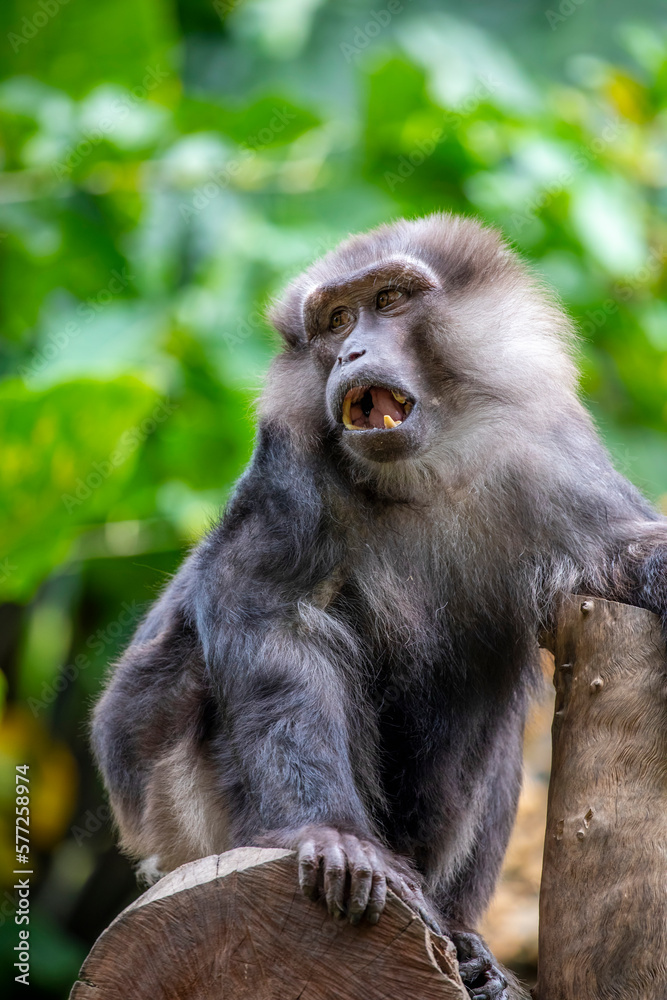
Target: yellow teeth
{"type": "Point", "coordinates": [347, 419]}
{"type": "Point", "coordinates": [389, 422]}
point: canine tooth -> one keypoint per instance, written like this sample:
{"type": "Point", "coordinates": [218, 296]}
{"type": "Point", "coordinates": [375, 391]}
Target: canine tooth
{"type": "Point", "coordinates": [388, 422]}
{"type": "Point", "coordinates": [408, 408]}
{"type": "Point", "coordinates": [347, 417]}
{"type": "Point", "coordinates": [397, 396]}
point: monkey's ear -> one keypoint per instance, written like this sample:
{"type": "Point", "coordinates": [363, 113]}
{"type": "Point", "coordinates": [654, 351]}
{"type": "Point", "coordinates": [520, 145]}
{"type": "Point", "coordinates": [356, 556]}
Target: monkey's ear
{"type": "Point", "coordinates": [286, 316]}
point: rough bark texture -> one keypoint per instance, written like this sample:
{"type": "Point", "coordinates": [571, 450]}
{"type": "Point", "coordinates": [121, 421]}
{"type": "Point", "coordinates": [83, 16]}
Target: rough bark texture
{"type": "Point", "coordinates": [603, 901]}
{"type": "Point", "coordinates": [235, 926]}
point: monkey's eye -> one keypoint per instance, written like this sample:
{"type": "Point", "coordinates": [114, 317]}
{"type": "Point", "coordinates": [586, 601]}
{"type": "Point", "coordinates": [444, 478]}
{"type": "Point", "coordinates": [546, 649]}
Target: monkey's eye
{"type": "Point", "coordinates": [339, 319]}
{"type": "Point", "coordinates": [388, 296]}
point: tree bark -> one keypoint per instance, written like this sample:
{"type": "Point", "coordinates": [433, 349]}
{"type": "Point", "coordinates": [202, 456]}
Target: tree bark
{"type": "Point", "coordinates": [603, 899]}
{"type": "Point", "coordinates": [236, 926]}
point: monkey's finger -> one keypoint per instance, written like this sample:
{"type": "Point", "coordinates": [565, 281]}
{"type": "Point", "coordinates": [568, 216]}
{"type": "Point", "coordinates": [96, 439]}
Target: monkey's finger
{"type": "Point", "coordinates": [469, 947]}
{"type": "Point", "coordinates": [495, 988]}
{"type": "Point", "coordinates": [308, 869]}
{"type": "Point", "coordinates": [361, 878]}
{"type": "Point", "coordinates": [473, 968]}
{"type": "Point", "coordinates": [398, 886]}
{"type": "Point", "coordinates": [413, 896]}
{"type": "Point", "coordinates": [408, 893]}
{"type": "Point", "coordinates": [334, 880]}
{"type": "Point", "coordinates": [377, 899]}
{"type": "Point", "coordinates": [429, 920]}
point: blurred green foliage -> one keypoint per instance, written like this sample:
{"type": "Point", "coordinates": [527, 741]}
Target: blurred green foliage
{"type": "Point", "coordinates": [167, 166]}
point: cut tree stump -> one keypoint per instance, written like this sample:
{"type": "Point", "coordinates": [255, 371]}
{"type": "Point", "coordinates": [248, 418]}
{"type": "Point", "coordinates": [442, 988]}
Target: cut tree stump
{"type": "Point", "coordinates": [236, 926]}
{"type": "Point", "coordinates": [603, 900]}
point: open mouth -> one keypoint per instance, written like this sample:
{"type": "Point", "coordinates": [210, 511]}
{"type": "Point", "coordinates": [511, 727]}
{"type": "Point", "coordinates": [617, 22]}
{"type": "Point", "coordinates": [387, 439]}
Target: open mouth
{"type": "Point", "coordinates": [374, 407]}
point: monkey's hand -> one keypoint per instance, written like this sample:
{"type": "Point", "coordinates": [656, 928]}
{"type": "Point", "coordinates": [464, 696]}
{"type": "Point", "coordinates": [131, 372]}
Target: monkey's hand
{"type": "Point", "coordinates": [351, 875]}
{"type": "Point", "coordinates": [479, 970]}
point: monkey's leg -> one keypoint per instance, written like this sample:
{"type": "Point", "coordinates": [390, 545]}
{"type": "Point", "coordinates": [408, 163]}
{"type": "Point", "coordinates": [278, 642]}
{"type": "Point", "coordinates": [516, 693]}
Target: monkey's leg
{"type": "Point", "coordinates": [184, 813]}
{"type": "Point", "coordinates": [152, 735]}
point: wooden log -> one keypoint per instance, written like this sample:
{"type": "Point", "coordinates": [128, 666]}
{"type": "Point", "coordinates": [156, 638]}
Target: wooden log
{"type": "Point", "coordinates": [603, 899]}
{"type": "Point", "coordinates": [235, 926]}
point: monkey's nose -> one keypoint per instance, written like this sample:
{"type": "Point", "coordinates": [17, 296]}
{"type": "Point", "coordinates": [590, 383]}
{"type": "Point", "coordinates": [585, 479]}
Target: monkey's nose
{"type": "Point", "coordinates": [343, 359]}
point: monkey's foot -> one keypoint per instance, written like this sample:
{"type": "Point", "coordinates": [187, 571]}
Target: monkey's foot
{"type": "Point", "coordinates": [481, 974]}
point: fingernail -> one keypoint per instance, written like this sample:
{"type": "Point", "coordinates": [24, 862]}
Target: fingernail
{"type": "Point", "coordinates": [374, 918]}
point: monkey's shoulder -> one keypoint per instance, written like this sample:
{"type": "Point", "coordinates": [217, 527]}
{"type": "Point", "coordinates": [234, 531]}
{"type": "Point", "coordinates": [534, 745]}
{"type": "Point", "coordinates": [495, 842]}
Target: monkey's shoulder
{"type": "Point", "coordinates": [277, 524]}
{"type": "Point", "coordinates": [280, 486]}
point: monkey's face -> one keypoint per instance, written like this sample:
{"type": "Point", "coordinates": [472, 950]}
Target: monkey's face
{"type": "Point", "coordinates": [426, 339]}
{"type": "Point", "coordinates": [362, 332]}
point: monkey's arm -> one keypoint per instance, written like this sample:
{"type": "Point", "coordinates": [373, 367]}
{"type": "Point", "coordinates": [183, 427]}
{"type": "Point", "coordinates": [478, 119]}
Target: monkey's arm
{"type": "Point", "coordinates": [281, 669]}
{"type": "Point", "coordinates": [227, 720]}
{"type": "Point", "coordinates": [634, 535]}
{"type": "Point", "coordinates": [277, 663]}
{"type": "Point", "coordinates": [610, 542]}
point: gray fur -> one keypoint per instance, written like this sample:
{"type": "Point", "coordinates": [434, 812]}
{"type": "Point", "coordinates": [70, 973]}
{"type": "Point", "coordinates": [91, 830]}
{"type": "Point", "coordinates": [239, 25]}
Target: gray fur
{"type": "Point", "coordinates": [354, 644]}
